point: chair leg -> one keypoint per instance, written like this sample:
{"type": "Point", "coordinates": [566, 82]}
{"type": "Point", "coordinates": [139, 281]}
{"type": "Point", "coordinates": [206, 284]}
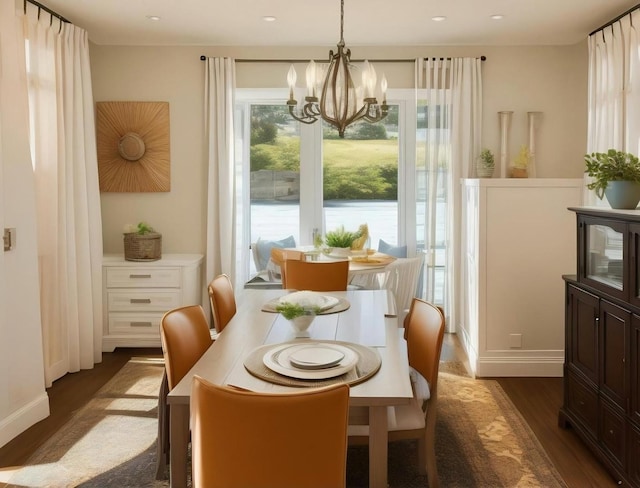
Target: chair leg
{"type": "Point", "coordinates": [427, 447]}
{"type": "Point", "coordinates": [162, 449]}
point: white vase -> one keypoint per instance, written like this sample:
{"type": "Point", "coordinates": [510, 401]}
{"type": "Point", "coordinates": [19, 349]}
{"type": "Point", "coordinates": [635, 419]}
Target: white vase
{"type": "Point", "coordinates": [505, 125]}
{"type": "Point", "coordinates": [301, 324]}
{"type": "Point", "coordinates": [341, 251]}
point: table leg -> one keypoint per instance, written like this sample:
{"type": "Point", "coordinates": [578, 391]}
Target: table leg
{"type": "Point", "coordinates": [179, 444]}
{"type": "Point", "coordinates": [378, 446]}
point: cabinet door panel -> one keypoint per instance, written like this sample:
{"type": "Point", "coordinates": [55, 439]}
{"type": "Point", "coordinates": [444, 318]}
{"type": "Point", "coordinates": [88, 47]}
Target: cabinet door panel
{"type": "Point", "coordinates": [634, 392]}
{"type": "Point", "coordinates": [583, 318]}
{"type": "Point", "coordinates": [634, 455]}
{"type": "Point", "coordinates": [614, 323]}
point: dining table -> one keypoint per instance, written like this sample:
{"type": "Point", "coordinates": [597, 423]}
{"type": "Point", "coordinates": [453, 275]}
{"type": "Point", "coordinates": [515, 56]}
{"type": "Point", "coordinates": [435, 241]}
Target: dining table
{"type": "Point", "coordinates": [363, 319]}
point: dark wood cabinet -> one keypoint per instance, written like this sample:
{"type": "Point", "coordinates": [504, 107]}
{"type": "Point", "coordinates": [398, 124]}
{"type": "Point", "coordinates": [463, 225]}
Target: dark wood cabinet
{"type": "Point", "coordinates": [602, 353]}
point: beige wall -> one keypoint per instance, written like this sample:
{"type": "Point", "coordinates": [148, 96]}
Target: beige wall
{"type": "Point", "coordinates": [549, 79]}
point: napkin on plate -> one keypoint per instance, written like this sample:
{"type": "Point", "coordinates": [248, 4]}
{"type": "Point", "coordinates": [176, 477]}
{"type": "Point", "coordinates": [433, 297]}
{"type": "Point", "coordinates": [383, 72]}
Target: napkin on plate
{"type": "Point", "coordinates": [309, 299]}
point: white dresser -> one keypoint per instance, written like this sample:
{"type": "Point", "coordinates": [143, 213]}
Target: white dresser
{"type": "Point", "coordinates": [137, 294]}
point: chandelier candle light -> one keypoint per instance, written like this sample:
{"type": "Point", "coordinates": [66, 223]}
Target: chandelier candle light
{"type": "Point", "coordinates": [339, 98]}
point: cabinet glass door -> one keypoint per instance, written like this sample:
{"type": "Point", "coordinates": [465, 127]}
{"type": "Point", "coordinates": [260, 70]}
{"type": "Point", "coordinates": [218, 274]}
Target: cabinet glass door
{"type": "Point", "coordinates": [603, 254]}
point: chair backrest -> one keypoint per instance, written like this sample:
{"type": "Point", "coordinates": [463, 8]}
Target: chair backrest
{"type": "Point", "coordinates": [315, 275]}
{"type": "Point", "coordinates": [424, 331]}
{"type": "Point", "coordinates": [223, 301]}
{"type": "Point", "coordinates": [242, 438]}
{"type": "Point", "coordinates": [185, 337]}
{"type": "Point", "coordinates": [279, 256]}
{"type": "Point", "coordinates": [401, 278]}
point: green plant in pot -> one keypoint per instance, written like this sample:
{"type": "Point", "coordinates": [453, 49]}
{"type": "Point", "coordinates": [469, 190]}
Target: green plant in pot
{"type": "Point", "coordinates": [486, 164]}
{"type": "Point", "coordinates": [616, 175]}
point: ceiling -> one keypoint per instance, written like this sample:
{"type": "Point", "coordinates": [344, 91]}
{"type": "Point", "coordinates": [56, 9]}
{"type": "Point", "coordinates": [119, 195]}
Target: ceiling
{"type": "Point", "coordinates": [317, 23]}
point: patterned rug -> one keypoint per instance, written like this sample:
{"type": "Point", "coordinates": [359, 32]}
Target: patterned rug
{"type": "Point", "coordinates": [482, 441]}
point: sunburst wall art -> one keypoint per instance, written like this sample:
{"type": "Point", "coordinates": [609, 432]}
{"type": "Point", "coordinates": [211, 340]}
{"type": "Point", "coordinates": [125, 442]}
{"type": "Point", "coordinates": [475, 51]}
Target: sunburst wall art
{"type": "Point", "coordinates": [133, 146]}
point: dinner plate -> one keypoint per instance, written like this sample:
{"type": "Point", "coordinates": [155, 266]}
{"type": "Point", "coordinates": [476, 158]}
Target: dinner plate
{"type": "Point", "coordinates": [278, 360]}
{"type": "Point", "coordinates": [317, 356]}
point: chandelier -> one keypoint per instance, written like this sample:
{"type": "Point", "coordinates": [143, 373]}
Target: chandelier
{"type": "Point", "coordinates": [341, 103]}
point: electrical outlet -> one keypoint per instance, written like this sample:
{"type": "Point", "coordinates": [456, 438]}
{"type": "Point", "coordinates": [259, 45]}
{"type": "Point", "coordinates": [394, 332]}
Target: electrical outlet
{"type": "Point", "coordinates": [9, 238]}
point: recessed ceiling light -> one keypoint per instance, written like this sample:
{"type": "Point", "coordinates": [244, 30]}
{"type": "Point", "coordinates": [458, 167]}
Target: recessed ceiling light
{"type": "Point", "coordinates": [438, 18]}
{"type": "Point", "coordinates": [269, 18]}
{"type": "Point", "coordinates": [153, 17]}
{"type": "Point", "coordinates": [497, 17]}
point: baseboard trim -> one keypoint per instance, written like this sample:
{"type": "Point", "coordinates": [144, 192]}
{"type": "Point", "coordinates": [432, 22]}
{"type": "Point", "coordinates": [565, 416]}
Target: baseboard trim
{"type": "Point", "coordinates": [23, 418]}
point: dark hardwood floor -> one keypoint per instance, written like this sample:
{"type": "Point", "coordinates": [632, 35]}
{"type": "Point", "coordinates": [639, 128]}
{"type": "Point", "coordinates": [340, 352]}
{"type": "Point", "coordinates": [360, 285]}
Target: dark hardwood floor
{"type": "Point", "coordinates": [537, 399]}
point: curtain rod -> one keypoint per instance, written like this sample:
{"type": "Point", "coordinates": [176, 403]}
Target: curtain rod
{"type": "Point", "coordinates": [611, 22]}
{"type": "Point", "coordinates": [46, 9]}
{"type": "Point", "coordinates": [203, 57]}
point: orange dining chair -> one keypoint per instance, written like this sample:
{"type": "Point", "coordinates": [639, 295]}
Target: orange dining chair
{"type": "Point", "coordinates": [268, 440]}
{"type": "Point", "coordinates": [278, 257]}
{"type": "Point", "coordinates": [315, 276]}
{"type": "Point", "coordinates": [185, 337]}
{"type": "Point", "coordinates": [424, 332]}
{"type": "Point", "coordinates": [223, 301]}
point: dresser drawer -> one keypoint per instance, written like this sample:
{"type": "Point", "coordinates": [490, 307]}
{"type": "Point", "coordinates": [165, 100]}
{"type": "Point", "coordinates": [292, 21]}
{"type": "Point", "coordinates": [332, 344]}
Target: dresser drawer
{"type": "Point", "coordinates": [135, 324]}
{"type": "Point", "coordinates": [613, 432]}
{"type": "Point", "coordinates": [142, 301]}
{"type": "Point", "coordinates": [143, 277]}
{"type": "Point", "coordinates": [583, 403]}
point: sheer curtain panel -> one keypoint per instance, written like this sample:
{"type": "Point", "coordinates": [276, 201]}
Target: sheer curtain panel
{"type": "Point", "coordinates": [67, 193]}
{"type": "Point", "coordinates": [448, 142]}
{"type": "Point", "coordinates": [221, 195]}
{"type": "Point", "coordinates": [614, 91]}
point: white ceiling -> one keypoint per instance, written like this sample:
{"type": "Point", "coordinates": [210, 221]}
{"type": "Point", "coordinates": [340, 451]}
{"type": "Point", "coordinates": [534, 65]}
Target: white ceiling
{"type": "Point", "coordinates": [317, 22]}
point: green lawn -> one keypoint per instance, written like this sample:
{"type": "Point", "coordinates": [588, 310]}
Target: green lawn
{"type": "Point", "coordinates": [348, 152]}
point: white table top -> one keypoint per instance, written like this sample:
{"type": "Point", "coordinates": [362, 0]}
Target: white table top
{"type": "Point", "coordinates": [363, 323]}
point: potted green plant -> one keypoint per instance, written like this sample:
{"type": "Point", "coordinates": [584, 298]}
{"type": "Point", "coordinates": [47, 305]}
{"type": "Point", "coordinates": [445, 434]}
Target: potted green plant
{"type": "Point", "coordinates": [616, 175]}
{"type": "Point", "coordinates": [142, 243]}
{"type": "Point", "coordinates": [299, 315]}
{"type": "Point", "coordinates": [486, 164]}
{"type": "Point", "coordinates": [340, 240]}
{"type": "Point", "coordinates": [521, 163]}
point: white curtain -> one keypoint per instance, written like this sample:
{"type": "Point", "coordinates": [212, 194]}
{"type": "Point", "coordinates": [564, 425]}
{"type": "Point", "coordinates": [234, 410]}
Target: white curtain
{"type": "Point", "coordinates": [614, 91]}
{"type": "Point", "coordinates": [221, 195]}
{"type": "Point", "coordinates": [68, 197]}
{"type": "Point", "coordinates": [450, 95]}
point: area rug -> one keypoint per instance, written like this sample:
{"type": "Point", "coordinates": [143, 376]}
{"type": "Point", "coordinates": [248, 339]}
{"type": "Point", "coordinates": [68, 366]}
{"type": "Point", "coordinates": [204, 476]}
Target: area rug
{"type": "Point", "coordinates": [482, 441]}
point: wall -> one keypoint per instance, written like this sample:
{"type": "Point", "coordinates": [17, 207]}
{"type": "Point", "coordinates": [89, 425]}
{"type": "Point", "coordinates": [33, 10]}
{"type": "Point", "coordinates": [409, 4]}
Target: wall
{"type": "Point", "coordinates": [550, 79]}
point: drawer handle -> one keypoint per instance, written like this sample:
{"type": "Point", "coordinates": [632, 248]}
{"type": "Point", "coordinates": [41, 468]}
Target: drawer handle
{"type": "Point", "coordinates": [140, 300]}
{"type": "Point", "coordinates": [141, 324]}
{"type": "Point", "coordinates": [133, 276]}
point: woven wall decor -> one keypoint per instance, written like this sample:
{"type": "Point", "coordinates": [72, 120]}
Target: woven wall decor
{"type": "Point", "coordinates": [133, 146]}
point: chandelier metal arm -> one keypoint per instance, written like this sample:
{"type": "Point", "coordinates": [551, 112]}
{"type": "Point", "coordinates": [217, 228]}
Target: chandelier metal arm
{"type": "Point", "coordinates": [338, 104]}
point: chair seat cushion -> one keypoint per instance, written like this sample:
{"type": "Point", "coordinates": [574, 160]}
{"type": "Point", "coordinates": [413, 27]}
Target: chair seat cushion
{"type": "Point", "coordinates": [391, 250]}
{"type": "Point", "coordinates": [264, 250]}
{"type": "Point", "coordinates": [409, 416]}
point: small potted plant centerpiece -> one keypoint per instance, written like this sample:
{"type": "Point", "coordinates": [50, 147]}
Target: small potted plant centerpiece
{"type": "Point", "coordinates": [299, 314]}
{"type": "Point", "coordinates": [616, 175]}
{"type": "Point", "coordinates": [486, 164]}
{"type": "Point", "coordinates": [521, 163]}
{"type": "Point", "coordinates": [341, 241]}
{"type": "Point", "coordinates": [142, 243]}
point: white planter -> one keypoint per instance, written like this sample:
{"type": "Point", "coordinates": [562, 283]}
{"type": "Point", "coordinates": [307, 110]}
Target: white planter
{"type": "Point", "coordinates": [301, 324]}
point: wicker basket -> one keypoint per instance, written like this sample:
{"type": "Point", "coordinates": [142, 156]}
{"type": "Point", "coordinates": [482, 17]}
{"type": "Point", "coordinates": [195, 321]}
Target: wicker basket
{"type": "Point", "coordinates": [142, 247]}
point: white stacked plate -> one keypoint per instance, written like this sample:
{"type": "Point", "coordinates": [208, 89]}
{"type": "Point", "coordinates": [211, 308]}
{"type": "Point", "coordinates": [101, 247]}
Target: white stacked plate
{"type": "Point", "coordinates": [311, 360]}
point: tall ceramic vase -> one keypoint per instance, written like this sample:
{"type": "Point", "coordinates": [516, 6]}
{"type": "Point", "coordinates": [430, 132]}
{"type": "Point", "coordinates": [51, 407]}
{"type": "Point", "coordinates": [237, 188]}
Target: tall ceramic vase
{"type": "Point", "coordinates": [505, 125]}
{"type": "Point", "coordinates": [533, 118]}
